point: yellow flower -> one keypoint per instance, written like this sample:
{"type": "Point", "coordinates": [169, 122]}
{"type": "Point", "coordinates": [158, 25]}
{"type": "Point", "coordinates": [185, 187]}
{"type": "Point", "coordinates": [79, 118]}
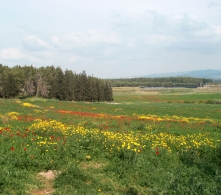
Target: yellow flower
{"type": "Point", "coordinates": [29, 105]}
{"type": "Point", "coordinates": [88, 157]}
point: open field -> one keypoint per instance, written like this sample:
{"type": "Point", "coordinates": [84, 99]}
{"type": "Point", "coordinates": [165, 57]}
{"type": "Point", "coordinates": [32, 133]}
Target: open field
{"type": "Point", "coordinates": [145, 142]}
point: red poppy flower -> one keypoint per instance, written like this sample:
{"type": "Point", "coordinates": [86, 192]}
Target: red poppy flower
{"type": "Point", "coordinates": [17, 133]}
{"type": "Point", "coordinates": [157, 153]}
{"type": "Point", "coordinates": [24, 149]}
{"type": "Point", "coordinates": [12, 148]}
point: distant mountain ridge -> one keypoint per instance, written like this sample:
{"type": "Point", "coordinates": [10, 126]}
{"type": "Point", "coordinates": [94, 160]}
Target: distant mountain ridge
{"type": "Point", "coordinates": [209, 73]}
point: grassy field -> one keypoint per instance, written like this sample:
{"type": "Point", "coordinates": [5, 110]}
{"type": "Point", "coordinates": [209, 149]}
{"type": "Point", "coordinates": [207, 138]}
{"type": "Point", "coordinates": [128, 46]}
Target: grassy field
{"type": "Point", "coordinates": [144, 143]}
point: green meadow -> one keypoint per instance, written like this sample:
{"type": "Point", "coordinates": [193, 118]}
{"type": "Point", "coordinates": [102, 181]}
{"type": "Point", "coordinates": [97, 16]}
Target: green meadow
{"type": "Point", "coordinates": [145, 142]}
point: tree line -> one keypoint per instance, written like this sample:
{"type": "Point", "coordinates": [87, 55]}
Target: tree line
{"type": "Point", "coordinates": [52, 82]}
{"type": "Point", "coordinates": [160, 82]}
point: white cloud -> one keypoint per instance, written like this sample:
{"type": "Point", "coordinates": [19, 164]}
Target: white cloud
{"type": "Point", "coordinates": [55, 41]}
{"type": "Point", "coordinates": [160, 40]}
{"type": "Point", "coordinates": [11, 54]}
{"type": "Point", "coordinates": [92, 36]}
{"type": "Point", "coordinates": [217, 30]}
{"type": "Point", "coordinates": [73, 58]}
{"type": "Point", "coordinates": [213, 4]}
{"type": "Point", "coordinates": [34, 43]}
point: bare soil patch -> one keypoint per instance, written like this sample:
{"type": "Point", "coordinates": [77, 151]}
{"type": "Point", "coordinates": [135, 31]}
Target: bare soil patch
{"type": "Point", "coordinates": [47, 179]}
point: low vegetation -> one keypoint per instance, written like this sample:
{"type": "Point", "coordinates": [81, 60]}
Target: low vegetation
{"type": "Point", "coordinates": [145, 143]}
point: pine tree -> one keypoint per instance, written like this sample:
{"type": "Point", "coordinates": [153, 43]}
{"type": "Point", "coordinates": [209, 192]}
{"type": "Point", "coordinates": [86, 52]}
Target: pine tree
{"type": "Point", "coordinates": [50, 73]}
{"type": "Point", "coordinates": [108, 93]}
{"type": "Point", "coordinates": [81, 88]}
{"type": "Point", "coordinates": [3, 83]}
{"type": "Point", "coordinates": [68, 82]}
{"type": "Point", "coordinates": [59, 84]}
{"type": "Point", "coordinates": [100, 90]}
{"type": "Point", "coordinates": [84, 87]}
{"type": "Point", "coordinates": [92, 90]}
{"type": "Point", "coordinates": [11, 89]}
{"type": "Point", "coordinates": [77, 96]}
{"type": "Point", "coordinates": [52, 82]}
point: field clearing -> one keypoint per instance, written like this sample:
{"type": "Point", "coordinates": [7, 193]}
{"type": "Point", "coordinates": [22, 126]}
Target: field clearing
{"type": "Point", "coordinates": [165, 91]}
{"type": "Point", "coordinates": [145, 142]}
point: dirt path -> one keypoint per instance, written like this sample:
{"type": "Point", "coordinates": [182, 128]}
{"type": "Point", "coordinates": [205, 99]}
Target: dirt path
{"type": "Point", "coordinates": [47, 179]}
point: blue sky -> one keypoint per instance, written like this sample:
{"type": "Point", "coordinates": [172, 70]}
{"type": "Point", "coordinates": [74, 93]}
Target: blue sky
{"type": "Point", "coordinates": [112, 38]}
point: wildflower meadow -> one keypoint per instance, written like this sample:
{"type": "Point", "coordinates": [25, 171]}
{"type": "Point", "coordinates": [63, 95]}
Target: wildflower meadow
{"type": "Point", "coordinates": [140, 144]}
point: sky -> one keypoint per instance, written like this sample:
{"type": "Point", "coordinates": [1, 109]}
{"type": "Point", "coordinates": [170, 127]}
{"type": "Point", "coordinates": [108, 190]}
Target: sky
{"type": "Point", "coordinates": [112, 38]}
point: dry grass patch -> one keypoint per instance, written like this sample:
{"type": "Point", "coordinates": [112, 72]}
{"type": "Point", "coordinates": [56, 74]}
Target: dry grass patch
{"type": "Point", "coordinates": [91, 165]}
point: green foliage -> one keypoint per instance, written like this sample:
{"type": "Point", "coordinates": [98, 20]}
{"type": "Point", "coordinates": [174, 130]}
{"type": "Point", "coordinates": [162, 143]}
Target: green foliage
{"type": "Point", "coordinates": [53, 83]}
{"type": "Point", "coordinates": [189, 82]}
{"type": "Point", "coordinates": [59, 85]}
{"type": "Point", "coordinates": [108, 93]}
{"type": "Point", "coordinates": [69, 87]}
{"type": "Point", "coordinates": [11, 89]}
{"type": "Point", "coordinates": [213, 102]}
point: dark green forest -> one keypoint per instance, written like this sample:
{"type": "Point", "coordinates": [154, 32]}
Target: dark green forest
{"type": "Point", "coordinates": [188, 82]}
{"type": "Point", "coordinates": [53, 83]}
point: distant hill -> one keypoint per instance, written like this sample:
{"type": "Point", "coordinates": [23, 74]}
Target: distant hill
{"type": "Point", "coordinates": [209, 73]}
